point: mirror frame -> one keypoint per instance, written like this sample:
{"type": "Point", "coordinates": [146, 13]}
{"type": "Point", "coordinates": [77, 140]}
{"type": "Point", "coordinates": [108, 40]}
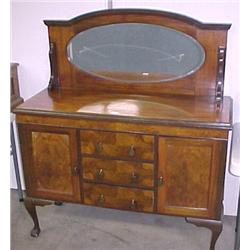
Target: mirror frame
{"type": "Point", "coordinates": [124, 75]}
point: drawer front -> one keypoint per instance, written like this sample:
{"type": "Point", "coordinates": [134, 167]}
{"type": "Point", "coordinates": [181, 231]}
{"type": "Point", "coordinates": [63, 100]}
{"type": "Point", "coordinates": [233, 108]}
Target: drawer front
{"type": "Point", "coordinates": [118, 197]}
{"type": "Point", "coordinates": [118, 172]}
{"type": "Point", "coordinates": [117, 145]}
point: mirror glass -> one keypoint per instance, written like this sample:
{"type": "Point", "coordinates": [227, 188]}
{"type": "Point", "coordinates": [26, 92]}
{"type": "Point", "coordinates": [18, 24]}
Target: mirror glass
{"type": "Point", "coordinates": [135, 52]}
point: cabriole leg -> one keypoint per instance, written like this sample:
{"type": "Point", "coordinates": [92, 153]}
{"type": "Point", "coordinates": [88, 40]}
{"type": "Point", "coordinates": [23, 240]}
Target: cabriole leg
{"type": "Point", "coordinates": [214, 225]}
{"type": "Point", "coordinates": [30, 205]}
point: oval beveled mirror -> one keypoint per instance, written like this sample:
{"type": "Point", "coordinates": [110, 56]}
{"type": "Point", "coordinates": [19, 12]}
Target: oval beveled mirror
{"type": "Point", "coordinates": [135, 52]}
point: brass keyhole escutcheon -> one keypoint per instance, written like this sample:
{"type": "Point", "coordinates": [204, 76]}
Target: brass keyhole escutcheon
{"type": "Point", "coordinates": [160, 181]}
{"type": "Point", "coordinates": [75, 170]}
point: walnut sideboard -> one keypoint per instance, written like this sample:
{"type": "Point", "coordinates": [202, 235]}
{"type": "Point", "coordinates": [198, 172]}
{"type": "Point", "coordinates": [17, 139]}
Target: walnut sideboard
{"type": "Point", "coordinates": [134, 117]}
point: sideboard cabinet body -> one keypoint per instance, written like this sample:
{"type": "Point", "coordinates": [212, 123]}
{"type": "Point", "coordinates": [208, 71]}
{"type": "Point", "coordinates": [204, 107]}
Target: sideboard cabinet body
{"type": "Point", "coordinates": [155, 147]}
{"type": "Point", "coordinates": [175, 175]}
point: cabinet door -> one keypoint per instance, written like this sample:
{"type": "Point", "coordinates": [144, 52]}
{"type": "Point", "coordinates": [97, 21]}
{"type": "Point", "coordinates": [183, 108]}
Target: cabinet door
{"type": "Point", "coordinates": [192, 171]}
{"type": "Point", "coordinates": [49, 159]}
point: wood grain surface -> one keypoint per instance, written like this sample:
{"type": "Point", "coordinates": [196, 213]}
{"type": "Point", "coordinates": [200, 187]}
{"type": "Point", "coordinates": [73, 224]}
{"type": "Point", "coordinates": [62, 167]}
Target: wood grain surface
{"type": "Point", "coordinates": [117, 145]}
{"type": "Point", "coordinates": [191, 173]}
{"type": "Point", "coordinates": [118, 172]}
{"type": "Point", "coordinates": [118, 197]}
{"type": "Point", "coordinates": [49, 158]}
{"type": "Point", "coordinates": [191, 111]}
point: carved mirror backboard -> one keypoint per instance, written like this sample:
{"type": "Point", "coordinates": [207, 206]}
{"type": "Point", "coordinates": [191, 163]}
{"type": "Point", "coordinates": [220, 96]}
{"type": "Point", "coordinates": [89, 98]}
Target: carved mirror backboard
{"type": "Point", "coordinates": [138, 51]}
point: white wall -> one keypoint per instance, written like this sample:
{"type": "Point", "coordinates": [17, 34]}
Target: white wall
{"type": "Point", "coordinates": [29, 45]}
{"type": "Point", "coordinates": [29, 37]}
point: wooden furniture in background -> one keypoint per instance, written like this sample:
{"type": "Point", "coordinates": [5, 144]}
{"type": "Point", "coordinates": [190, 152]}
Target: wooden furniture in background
{"type": "Point", "coordinates": [155, 147]}
{"type": "Point", "coordinates": [15, 99]}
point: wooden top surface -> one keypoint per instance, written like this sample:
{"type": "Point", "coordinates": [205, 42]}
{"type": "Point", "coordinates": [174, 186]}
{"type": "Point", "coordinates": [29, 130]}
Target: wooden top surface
{"type": "Point", "coordinates": [178, 110]}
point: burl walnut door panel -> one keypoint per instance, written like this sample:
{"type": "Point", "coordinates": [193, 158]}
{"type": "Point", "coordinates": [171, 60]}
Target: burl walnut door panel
{"type": "Point", "coordinates": [192, 170]}
{"type": "Point", "coordinates": [49, 159]}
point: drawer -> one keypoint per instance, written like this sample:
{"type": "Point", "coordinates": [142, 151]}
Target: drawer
{"type": "Point", "coordinates": [118, 197]}
{"type": "Point", "coordinates": [117, 145]}
{"type": "Point", "coordinates": [118, 172]}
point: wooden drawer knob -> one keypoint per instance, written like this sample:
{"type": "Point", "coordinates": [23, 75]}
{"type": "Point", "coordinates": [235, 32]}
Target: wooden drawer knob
{"type": "Point", "coordinates": [131, 151]}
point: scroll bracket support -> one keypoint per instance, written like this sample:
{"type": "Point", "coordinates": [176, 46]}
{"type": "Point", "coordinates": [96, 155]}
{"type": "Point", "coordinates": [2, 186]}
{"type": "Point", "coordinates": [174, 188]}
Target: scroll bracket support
{"type": "Point", "coordinates": [54, 81]}
{"type": "Point", "coordinates": [221, 59]}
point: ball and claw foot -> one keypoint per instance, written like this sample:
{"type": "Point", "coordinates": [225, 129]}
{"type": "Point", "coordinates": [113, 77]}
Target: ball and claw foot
{"type": "Point", "coordinates": [30, 205]}
{"type": "Point", "coordinates": [35, 232]}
